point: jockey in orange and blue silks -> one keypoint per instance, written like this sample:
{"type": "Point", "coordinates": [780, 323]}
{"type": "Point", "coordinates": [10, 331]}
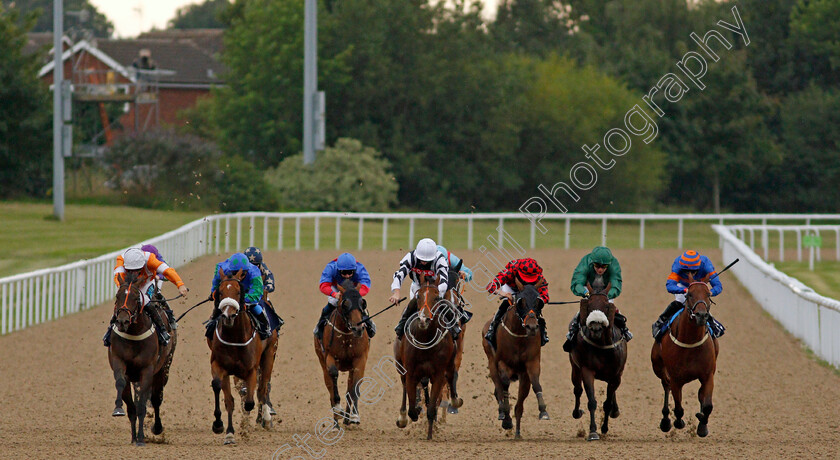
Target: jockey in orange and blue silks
{"type": "Point", "coordinates": [147, 268]}
{"type": "Point", "coordinates": [252, 285]}
{"type": "Point", "coordinates": [344, 267]}
{"type": "Point", "coordinates": [688, 263]}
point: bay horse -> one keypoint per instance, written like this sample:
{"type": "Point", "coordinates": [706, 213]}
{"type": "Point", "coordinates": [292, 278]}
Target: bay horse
{"type": "Point", "coordinates": [427, 352]}
{"type": "Point", "coordinates": [136, 357]}
{"type": "Point", "coordinates": [597, 355]}
{"type": "Point", "coordinates": [237, 350]}
{"type": "Point", "coordinates": [687, 354]}
{"type": "Point", "coordinates": [345, 349]}
{"type": "Point", "coordinates": [454, 295]}
{"type": "Point", "coordinates": [517, 354]}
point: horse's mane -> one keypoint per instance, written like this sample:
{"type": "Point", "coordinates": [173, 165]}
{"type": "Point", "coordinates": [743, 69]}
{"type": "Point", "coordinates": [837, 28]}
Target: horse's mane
{"type": "Point", "coordinates": [350, 292]}
{"type": "Point", "coordinates": [130, 277]}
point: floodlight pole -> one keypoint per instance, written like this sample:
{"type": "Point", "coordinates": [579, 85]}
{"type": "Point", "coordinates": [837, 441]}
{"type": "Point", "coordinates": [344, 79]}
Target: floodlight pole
{"type": "Point", "coordinates": [310, 78]}
{"type": "Point", "coordinates": [58, 118]}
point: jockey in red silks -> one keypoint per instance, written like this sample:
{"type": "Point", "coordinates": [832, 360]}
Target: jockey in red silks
{"type": "Point", "coordinates": [527, 271]}
{"type": "Point", "coordinates": [344, 267]}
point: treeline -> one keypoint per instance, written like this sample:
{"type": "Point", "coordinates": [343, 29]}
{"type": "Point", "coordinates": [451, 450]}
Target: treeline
{"type": "Point", "coordinates": [472, 113]}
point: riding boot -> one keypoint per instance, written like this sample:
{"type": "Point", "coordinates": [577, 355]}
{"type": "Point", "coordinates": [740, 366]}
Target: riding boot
{"type": "Point", "coordinates": [543, 332]}
{"type": "Point", "coordinates": [670, 310]}
{"type": "Point", "coordinates": [171, 316]}
{"type": "Point", "coordinates": [409, 310]}
{"type": "Point", "coordinates": [371, 327]}
{"type": "Point", "coordinates": [211, 323]}
{"type": "Point", "coordinates": [574, 327]}
{"type": "Point", "coordinates": [717, 327]}
{"type": "Point", "coordinates": [455, 331]}
{"type": "Point", "coordinates": [490, 336]}
{"type": "Point", "coordinates": [262, 324]}
{"type": "Point", "coordinates": [465, 316]}
{"type": "Point", "coordinates": [163, 335]}
{"type": "Point", "coordinates": [621, 323]}
{"type": "Point", "coordinates": [106, 339]}
{"type": "Point", "coordinates": [322, 321]}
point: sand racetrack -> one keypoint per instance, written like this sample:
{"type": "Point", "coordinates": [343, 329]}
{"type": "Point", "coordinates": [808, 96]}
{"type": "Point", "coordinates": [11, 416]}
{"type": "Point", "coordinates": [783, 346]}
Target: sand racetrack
{"type": "Point", "coordinates": [770, 400]}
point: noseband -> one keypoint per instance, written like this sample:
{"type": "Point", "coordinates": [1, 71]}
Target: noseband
{"type": "Point", "coordinates": [692, 309]}
{"type": "Point", "coordinates": [238, 307]}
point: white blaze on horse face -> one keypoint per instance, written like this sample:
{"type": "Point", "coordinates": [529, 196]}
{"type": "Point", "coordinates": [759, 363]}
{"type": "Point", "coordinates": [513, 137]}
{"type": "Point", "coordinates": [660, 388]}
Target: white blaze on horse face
{"type": "Point", "coordinates": [597, 316]}
{"type": "Point", "coordinates": [228, 302]}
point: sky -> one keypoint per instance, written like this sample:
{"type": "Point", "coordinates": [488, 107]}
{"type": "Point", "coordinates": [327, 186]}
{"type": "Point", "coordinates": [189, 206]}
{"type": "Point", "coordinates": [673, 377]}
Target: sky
{"type": "Point", "coordinates": [131, 17]}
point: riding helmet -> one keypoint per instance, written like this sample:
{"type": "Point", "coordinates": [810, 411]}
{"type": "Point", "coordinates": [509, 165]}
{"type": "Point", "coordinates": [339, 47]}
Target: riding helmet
{"type": "Point", "coordinates": [254, 255]}
{"type": "Point", "coordinates": [346, 261]}
{"type": "Point", "coordinates": [426, 250]}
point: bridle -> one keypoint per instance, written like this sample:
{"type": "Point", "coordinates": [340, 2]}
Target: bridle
{"type": "Point", "coordinates": [692, 309]}
{"type": "Point", "coordinates": [132, 315]}
{"type": "Point", "coordinates": [224, 282]}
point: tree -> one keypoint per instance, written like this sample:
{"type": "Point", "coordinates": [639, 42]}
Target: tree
{"type": "Point", "coordinates": [205, 15]}
{"type": "Point", "coordinates": [815, 27]}
{"type": "Point", "coordinates": [98, 23]}
{"type": "Point", "coordinates": [531, 26]}
{"type": "Point", "coordinates": [25, 115]}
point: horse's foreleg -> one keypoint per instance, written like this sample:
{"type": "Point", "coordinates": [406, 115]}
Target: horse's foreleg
{"type": "Point", "coordinates": [351, 414]}
{"type": "Point", "coordinates": [577, 382]}
{"type": "Point", "coordinates": [524, 389]}
{"type": "Point", "coordinates": [411, 390]}
{"type": "Point", "coordinates": [402, 422]}
{"type": "Point", "coordinates": [533, 369]}
{"type": "Point", "coordinates": [264, 387]}
{"type": "Point", "coordinates": [452, 382]}
{"type": "Point", "coordinates": [705, 397]}
{"type": "Point", "coordinates": [665, 424]}
{"type": "Point", "coordinates": [610, 405]}
{"type": "Point", "coordinates": [229, 405]}
{"type": "Point", "coordinates": [120, 383]}
{"type": "Point", "coordinates": [218, 374]}
{"type": "Point", "coordinates": [592, 403]}
{"type": "Point", "coordinates": [157, 399]}
{"type": "Point", "coordinates": [676, 390]}
{"type": "Point", "coordinates": [332, 385]}
{"type": "Point", "coordinates": [432, 403]}
{"type": "Point", "coordinates": [144, 389]}
{"type": "Point", "coordinates": [132, 411]}
{"type": "Point", "coordinates": [250, 385]}
{"type": "Point", "coordinates": [504, 404]}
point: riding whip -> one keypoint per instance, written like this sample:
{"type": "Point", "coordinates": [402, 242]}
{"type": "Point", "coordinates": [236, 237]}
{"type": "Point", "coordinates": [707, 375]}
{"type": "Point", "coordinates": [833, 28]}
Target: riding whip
{"type": "Point", "coordinates": [562, 303]}
{"type": "Point", "coordinates": [725, 268]}
{"type": "Point", "coordinates": [383, 310]}
{"type": "Point", "coordinates": [182, 314]}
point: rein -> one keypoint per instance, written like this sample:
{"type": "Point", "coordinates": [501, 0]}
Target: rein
{"type": "Point", "coordinates": [602, 347]}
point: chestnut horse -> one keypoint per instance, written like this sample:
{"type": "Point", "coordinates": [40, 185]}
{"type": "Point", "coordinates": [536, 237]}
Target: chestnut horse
{"type": "Point", "coordinates": [427, 352]}
{"type": "Point", "coordinates": [236, 349]}
{"type": "Point", "coordinates": [137, 357]}
{"type": "Point", "coordinates": [600, 352]}
{"type": "Point", "coordinates": [688, 354]}
{"type": "Point", "coordinates": [517, 354]}
{"type": "Point", "coordinates": [345, 349]}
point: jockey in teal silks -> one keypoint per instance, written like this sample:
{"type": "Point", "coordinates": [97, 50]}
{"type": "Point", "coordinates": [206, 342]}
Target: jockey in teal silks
{"type": "Point", "coordinates": [252, 285]}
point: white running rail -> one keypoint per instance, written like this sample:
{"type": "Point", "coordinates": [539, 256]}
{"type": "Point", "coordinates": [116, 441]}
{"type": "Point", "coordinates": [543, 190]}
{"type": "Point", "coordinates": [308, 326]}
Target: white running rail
{"type": "Point", "coordinates": [812, 318]}
{"type": "Point", "coordinates": [43, 295]}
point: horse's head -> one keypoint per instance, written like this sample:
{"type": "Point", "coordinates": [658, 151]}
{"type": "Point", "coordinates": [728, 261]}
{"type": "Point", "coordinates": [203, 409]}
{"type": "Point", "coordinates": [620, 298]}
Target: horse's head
{"type": "Point", "coordinates": [350, 306]}
{"type": "Point", "coordinates": [528, 306]}
{"type": "Point", "coordinates": [698, 300]}
{"type": "Point", "coordinates": [427, 297]}
{"type": "Point", "coordinates": [597, 311]}
{"type": "Point", "coordinates": [128, 304]}
{"type": "Point", "coordinates": [231, 297]}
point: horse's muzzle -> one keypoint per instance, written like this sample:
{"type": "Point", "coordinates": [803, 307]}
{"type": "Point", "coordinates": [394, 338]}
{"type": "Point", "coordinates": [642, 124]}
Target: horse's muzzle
{"type": "Point", "coordinates": [701, 318]}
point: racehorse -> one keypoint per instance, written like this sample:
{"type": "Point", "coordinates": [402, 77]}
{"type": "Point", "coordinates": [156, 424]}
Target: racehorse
{"type": "Point", "coordinates": [454, 295]}
{"type": "Point", "coordinates": [686, 354]}
{"type": "Point", "coordinates": [136, 357]}
{"type": "Point", "coordinates": [517, 354]}
{"type": "Point", "coordinates": [427, 352]}
{"type": "Point", "coordinates": [236, 349]}
{"type": "Point", "coordinates": [597, 355]}
{"type": "Point", "coordinates": [345, 349]}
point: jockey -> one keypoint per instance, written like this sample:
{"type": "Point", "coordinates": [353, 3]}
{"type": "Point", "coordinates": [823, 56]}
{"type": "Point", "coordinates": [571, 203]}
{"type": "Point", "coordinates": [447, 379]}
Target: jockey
{"type": "Point", "coordinates": [527, 271]}
{"type": "Point", "coordinates": [425, 259]}
{"type": "Point", "coordinates": [464, 272]}
{"type": "Point", "coordinates": [598, 268]}
{"type": "Point", "coordinates": [147, 267]}
{"type": "Point", "coordinates": [159, 282]}
{"type": "Point", "coordinates": [253, 286]}
{"type": "Point", "coordinates": [690, 262]}
{"type": "Point", "coordinates": [254, 256]}
{"type": "Point", "coordinates": [344, 267]}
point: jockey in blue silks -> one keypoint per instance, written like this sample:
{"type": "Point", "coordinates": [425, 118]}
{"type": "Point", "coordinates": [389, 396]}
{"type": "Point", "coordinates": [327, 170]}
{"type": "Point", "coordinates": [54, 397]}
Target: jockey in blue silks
{"type": "Point", "coordinates": [344, 267]}
{"type": "Point", "coordinates": [689, 262]}
{"type": "Point", "coordinates": [252, 285]}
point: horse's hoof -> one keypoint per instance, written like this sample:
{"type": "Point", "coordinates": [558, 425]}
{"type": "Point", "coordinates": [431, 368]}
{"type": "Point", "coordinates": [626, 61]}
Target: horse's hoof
{"type": "Point", "coordinates": [271, 411]}
{"type": "Point", "coordinates": [249, 406]}
{"type": "Point", "coordinates": [140, 444]}
{"type": "Point", "coordinates": [507, 424]}
{"type": "Point", "coordinates": [229, 439]}
{"type": "Point", "coordinates": [452, 410]}
{"type": "Point", "coordinates": [702, 430]}
{"type": "Point", "coordinates": [157, 429]}
{"type": "Point", "coordinates": [518, 437]}
{"type": "Point", "coordinates": [118, 412]}
{"type": "Point", "coordinates": [577, 413]}
{"type": "Point", "coordinates": [457, 403]}
{"type": "Point", "coordinates": [679, 424]}
{"type": "Point", "coordinates": [604, 429]}
{"type": "Point", "coordinates": [402, 422]}
{"type": "Point", "coordinates": [544, 416]}
{"type": "Point", "coordinates": [665, 425]}
{"type": "Point", "coordinates": [218, 427]}
{"type": "Point", "coordinates": [615, 413]}
{"type": "Point", "coordinates": [593, 436]}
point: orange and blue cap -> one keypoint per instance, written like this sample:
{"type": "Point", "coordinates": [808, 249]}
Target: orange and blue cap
{"type": "Point", "coordinates": [690, 260]}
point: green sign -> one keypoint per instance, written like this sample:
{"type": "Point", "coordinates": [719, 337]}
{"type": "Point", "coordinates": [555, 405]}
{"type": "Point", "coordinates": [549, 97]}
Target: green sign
{"type": "Point", "coordinates": [812, 241]}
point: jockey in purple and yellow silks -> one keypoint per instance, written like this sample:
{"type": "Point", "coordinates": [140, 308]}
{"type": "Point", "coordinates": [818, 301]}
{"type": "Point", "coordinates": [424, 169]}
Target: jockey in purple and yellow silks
{"type": "Point", "coordinates": [689, 263]}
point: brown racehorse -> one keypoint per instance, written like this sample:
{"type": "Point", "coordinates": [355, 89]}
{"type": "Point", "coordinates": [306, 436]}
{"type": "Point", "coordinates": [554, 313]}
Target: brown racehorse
{"type": "Point", "coordinates": [688, 353]}
{"type": "Point", "coordinates": [457, 303]}
{"type": "Point", "coordinates": [236, 349]}
{"type": "Point", "coordinates": [345, 349]}
{"type": "Point", "coordinates": [427, 352]}
{"type": "Point", "coordinates": [600, 352]}
{"type": "Point", "coordinates": [137, 357]}
{"type": "Point", "coordinates": [517, 355]}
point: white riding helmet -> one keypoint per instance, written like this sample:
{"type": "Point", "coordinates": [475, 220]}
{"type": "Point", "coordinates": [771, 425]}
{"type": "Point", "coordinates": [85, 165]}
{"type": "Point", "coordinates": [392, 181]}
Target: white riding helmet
{"type": "Point", "coordinates": [134, 259]}
{"type": "Point", "coordinates": [426, 250]}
